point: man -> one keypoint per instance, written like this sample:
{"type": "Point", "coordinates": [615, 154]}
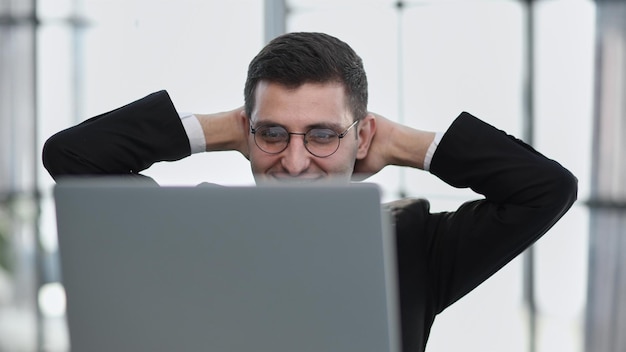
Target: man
{"type": "Point", "coordinates": [305, 119]}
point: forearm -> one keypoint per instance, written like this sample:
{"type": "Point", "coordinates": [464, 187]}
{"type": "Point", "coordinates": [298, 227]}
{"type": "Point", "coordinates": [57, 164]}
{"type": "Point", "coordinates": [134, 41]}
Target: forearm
{"type": "Point", "coordinates": [124, 141]}
{"type": "Point", "coordinates": [506, 170]}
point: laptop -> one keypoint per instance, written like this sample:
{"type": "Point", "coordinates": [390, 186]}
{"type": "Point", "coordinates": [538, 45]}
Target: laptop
{"type": "Point", "coordinates": [232, 269]}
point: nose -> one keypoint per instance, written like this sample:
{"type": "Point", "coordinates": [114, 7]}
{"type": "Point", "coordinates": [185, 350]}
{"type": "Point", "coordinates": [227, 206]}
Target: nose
{"type": "Point", "coordinates": [296, 159]}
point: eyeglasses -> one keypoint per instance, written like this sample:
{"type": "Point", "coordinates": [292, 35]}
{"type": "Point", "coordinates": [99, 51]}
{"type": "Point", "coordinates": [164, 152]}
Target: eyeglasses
{"type": "Point", "coordinates": [321, 142]}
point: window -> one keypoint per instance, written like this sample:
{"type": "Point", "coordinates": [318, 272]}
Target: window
{"type": "Point", "coordinates": [62, 61]}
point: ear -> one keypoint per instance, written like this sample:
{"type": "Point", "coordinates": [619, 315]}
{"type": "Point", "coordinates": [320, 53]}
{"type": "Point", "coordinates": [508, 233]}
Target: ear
{"type": "Point", "coordinates": [366, 132]}
{"type": "Point", "coordinates": [244, 120]}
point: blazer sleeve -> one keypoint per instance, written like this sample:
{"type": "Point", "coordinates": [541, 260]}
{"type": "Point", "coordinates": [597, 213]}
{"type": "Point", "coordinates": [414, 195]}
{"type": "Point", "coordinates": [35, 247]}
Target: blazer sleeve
{"type": "Point", "coordinates": [124, 141]}
{"type": "Point", "coordinates": [525, 194]}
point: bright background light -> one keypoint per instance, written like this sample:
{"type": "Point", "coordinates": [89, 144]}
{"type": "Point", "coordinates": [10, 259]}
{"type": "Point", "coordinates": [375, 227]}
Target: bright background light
{"type": "Point", "coordinates": [425, 65]}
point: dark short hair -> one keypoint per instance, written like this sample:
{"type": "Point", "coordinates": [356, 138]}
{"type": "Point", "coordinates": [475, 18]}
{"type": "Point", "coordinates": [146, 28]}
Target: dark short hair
{"type": "Point", "coordinates": [297, 58]}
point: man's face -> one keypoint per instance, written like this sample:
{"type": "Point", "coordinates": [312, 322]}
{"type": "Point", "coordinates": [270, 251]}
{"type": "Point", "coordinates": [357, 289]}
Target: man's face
{"type": "Point", "coordinates": [300, 109]}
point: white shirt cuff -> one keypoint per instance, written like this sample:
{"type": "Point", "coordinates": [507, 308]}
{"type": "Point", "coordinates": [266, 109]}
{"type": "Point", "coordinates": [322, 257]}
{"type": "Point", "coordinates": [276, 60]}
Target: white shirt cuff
{"type": "Point", "coordinates": [192, 126]}
{"type": "Point", "coordinates": [431, 150]}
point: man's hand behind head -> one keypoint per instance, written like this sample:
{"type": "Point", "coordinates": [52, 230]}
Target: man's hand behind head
{"type": "Point", "coordinates": [225, 131]}
{"type": "Point", "coordinates": [392, 144]}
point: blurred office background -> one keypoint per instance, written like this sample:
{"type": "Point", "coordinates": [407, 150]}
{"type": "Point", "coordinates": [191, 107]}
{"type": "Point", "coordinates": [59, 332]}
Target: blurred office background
{"type": "Point", "coordinates": [548, 71]}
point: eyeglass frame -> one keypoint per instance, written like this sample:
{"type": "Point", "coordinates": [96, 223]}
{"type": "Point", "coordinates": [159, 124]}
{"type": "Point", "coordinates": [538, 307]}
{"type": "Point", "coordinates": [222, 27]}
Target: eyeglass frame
{"type": "Point", "coordinates": [303, 134]}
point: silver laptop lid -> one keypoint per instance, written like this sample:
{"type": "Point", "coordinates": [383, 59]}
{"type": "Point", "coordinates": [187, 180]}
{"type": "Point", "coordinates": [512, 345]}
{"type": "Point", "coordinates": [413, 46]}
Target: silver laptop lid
{"type": "Point", "coordinates": [150, 268]}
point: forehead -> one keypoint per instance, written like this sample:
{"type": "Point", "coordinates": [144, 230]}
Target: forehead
{"type": "Point", "coordinates": [307, 104]}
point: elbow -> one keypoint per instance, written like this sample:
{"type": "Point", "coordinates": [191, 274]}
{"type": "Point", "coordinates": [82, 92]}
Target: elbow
{"type": "Point", "coordinates": [52, 156]}
{"type": "Point", "coordinates": [565, 190]}
{"type": "Point", "coordinates": [570, 187]}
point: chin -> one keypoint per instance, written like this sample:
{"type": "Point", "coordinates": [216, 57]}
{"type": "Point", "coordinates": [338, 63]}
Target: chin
{"type": "Point", "coordinates": [273, 180]}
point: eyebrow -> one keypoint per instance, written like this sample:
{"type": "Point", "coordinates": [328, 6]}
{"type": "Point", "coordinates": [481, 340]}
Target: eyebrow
{"type": "Point", "coordinates": [328, 125]}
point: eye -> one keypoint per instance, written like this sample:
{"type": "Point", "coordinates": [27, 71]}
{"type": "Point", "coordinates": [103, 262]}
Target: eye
{"type": "Point", "coordinates": [272, 134]}
{"type": "Point", "coordinates": [321, 136]}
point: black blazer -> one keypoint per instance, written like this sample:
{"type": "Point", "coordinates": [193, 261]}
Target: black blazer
{"type": "Point", "coordinates": [441, 256]}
